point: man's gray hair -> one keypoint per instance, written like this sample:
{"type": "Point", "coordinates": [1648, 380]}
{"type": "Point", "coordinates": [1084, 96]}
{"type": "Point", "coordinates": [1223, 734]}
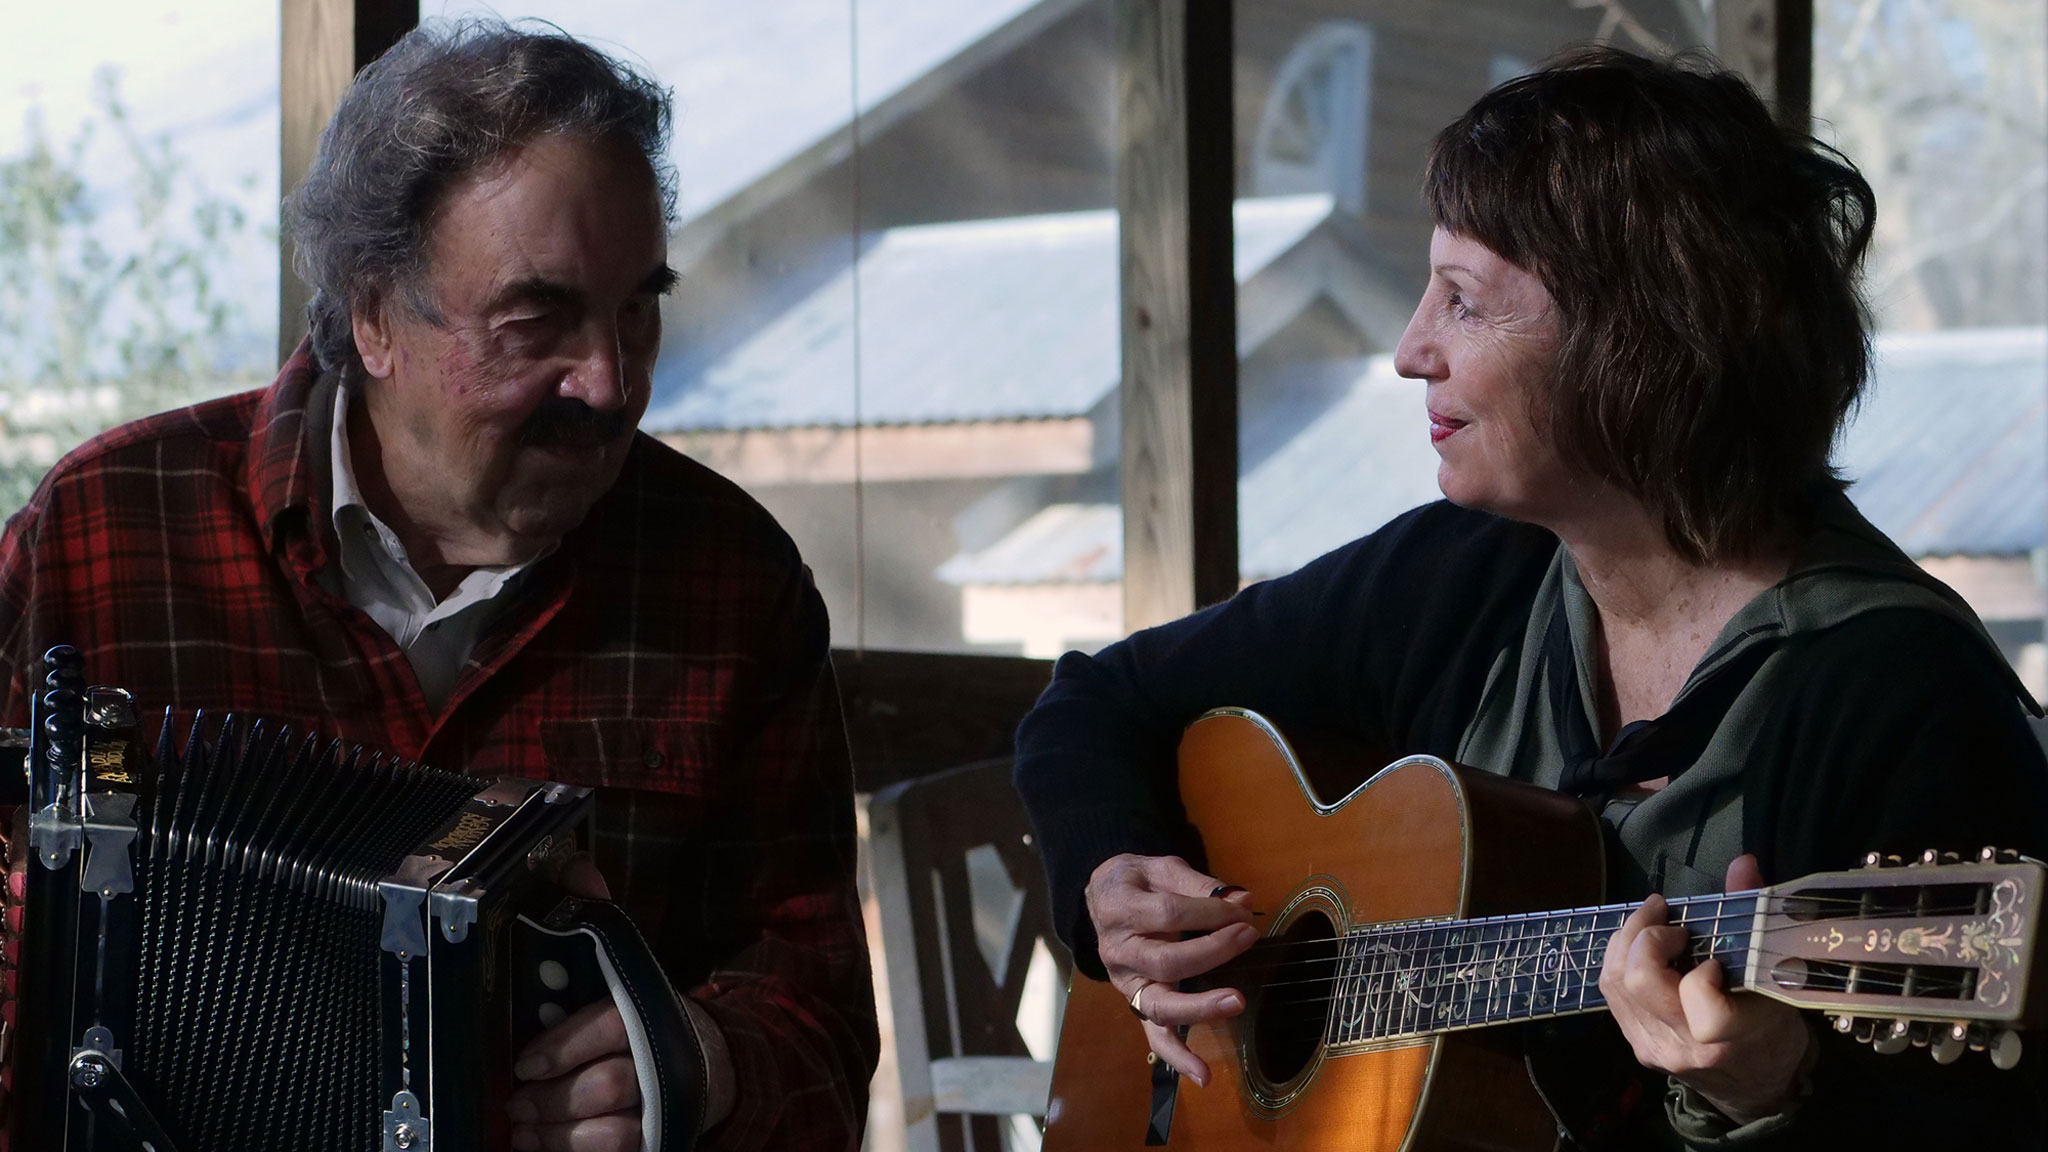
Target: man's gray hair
{"type": "Point", "coordinates": [447, 99]}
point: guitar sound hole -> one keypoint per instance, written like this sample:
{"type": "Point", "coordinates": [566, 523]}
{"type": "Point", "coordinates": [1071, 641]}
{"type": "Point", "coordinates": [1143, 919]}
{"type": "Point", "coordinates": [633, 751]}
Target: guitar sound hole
{"type": "Point", "coordinates": [1293, 1005]}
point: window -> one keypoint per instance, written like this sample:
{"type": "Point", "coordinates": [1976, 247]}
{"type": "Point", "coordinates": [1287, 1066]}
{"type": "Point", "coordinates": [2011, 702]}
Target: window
{"type": "Point", "coordinates": [1940, 104]}
{"type": "Point", "coordinates": [138, 217]}
{"type": "Point", "coordinates": [896, 325]}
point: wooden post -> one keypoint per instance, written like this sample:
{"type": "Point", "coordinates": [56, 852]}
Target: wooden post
{"type": "Point", "coordinates": [325, 43]}
{"type": "Point", "coordinates": [1175, 176]}
{"type": "Point", "coordinates": [1771, 43]}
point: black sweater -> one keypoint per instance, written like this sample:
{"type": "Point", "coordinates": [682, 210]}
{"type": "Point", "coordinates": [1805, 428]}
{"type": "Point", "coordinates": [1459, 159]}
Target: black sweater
{"type": "Point", "coordinates": [1899, 732]}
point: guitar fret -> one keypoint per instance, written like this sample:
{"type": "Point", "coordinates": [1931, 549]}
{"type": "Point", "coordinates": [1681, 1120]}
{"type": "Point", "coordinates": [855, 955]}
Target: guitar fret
{"type": "Point", "coordinates": [1354, 993]}
{"type": "Point", "coordinates": [1383, 972]}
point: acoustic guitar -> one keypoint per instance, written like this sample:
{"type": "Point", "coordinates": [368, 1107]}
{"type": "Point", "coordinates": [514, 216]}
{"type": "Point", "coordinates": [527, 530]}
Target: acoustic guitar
{"type": "Point", "coordinates": [1397, 932]}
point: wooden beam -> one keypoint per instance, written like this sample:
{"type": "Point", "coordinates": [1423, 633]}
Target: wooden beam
{"type": "Point", "coordinates": [325, 43]}
{"type": "Point", "coordinates": [1771, 43]}
{"type": "Point", "coordinates": [910, 714]}
{"type": "Point", "coordinates": [1175, 185]}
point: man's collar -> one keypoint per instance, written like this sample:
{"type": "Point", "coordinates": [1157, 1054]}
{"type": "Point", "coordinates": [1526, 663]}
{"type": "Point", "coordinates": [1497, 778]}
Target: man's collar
{"type": "Point", "coordinates": [283, 477]}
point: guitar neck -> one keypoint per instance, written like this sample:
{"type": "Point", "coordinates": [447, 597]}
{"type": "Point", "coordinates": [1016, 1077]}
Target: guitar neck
{"type": "Point", "coordinates": [1402, 980]}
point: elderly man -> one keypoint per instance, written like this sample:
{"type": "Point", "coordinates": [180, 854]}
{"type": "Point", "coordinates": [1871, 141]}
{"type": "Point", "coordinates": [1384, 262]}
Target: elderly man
{"type": "Point", "coordinates": [438, 532]}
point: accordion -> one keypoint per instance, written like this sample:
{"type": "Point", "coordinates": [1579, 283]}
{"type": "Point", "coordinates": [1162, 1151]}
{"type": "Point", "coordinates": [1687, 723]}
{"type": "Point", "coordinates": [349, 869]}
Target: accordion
{"type": "Point", "coordinates": [255, 939]}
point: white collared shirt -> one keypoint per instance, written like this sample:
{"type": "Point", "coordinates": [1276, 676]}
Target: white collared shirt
{"type": "Point", "coordinates": [377, 577]}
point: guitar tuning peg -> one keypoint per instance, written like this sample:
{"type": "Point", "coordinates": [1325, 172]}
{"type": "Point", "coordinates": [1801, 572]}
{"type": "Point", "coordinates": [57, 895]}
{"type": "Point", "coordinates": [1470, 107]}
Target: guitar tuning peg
{"type": "Point", "coordinates": [1892, 861]}
{"type": "Point", "coordinates": [1843, 1023]}
{"type": "Point", "coordinates": [1977, 1036]}
{"type": "Point", "coordinates": [2005, 1050]}
{"type": "Point", "coordinates": [1895, 1039]}
{"type": "Point", "coordinates": [1987, 854]}
{"type": "Point", "coordinates": [1950, 1045]}
{"type": "Point", "coordinates": [1876, 860]}
{"type": "Point", "coordinates": [1951, 858]}
{"type": "Point", "coordinates": [1919, 1033]}
{"type": "Point", "coordinates": [1929, 856]}
{"type": "Point", "coordinates": [1866, 1031]}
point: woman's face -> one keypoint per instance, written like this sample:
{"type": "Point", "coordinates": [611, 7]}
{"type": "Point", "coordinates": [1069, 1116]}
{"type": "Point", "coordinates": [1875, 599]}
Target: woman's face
{"type": "Point", "coordinates": [1484, 338]}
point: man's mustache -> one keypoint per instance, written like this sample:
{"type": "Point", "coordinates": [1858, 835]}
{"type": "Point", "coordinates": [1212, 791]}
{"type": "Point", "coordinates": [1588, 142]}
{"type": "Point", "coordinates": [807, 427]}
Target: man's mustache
{"type": "Point", "coordinates": [564, 423]}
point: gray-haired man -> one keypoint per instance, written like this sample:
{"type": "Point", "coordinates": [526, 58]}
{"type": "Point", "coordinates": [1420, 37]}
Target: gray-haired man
{"type": "Point", "coordinates": [439, 533]}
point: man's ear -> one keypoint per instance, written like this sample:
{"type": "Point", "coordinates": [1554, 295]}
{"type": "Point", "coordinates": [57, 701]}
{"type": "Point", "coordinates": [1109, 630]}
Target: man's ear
{"type": "Point", "coordinates": [370, 323]}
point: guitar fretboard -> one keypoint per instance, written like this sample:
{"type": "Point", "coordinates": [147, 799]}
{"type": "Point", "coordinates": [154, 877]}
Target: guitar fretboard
{"type": "Point", "coordinates": [1394, 980]}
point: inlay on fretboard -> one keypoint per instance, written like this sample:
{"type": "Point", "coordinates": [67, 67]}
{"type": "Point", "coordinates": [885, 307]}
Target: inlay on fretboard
{"type": "Point", "coordinates": [1393, 980]}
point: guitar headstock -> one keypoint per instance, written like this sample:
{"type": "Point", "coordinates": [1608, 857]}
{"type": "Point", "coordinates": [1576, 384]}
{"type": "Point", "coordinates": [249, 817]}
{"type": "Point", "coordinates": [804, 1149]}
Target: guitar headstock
{"type": "Point", "coordinates": [1931, 952]}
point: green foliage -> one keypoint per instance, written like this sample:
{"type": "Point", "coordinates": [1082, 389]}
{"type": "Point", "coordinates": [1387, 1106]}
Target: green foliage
{"type": "Point", "coordinates": [109, 308]}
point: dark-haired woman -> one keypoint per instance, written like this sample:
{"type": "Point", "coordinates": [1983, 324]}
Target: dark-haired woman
{"type": "Point", "coordinates": [1640, 335]}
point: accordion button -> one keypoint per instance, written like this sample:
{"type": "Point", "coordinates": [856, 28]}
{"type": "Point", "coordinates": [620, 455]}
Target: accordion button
{"type": "Point", "coordinates": [553, 976]}
{"type": "Point", "coordinates": [552, 1014]}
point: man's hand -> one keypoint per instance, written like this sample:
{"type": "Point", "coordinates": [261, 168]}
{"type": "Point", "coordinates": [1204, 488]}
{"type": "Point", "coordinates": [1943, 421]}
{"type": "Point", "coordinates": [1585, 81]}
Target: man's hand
{"type": "Point", "coordinates": [582, 1094]}
{"type": "Point", "coordinates": [1740, 1052]}
{"type": "Point", "coordinates": [1142, 907]}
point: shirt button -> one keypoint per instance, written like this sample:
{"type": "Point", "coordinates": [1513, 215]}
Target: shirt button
{"type": "Point", "coordinates": [652, 759]}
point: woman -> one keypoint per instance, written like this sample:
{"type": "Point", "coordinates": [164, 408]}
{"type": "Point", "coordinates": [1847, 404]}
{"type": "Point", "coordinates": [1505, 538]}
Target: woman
{"type": "Point", "coordinates": [1640, 335]}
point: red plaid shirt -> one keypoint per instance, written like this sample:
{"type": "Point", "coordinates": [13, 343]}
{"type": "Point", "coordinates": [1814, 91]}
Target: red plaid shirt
{"type": "Point", "coordinates": [671, 653]}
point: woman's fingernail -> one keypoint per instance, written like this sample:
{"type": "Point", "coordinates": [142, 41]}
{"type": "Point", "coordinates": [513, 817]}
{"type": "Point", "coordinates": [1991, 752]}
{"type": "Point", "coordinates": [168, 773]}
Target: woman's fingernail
{"type": "Point", "coordinates": [533, 1067]}
{"type": "Point", "coordinates": [1222, 890]}
{"type": "Point", "coordinates": [1230, 1004]}
{"type": "Point", "coordinates": [521, 1110]}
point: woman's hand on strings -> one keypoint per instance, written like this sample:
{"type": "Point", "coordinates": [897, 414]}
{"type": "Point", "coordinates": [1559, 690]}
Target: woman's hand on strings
{"type": "Point", "coordinates": [1158, 922]}
{"type": "Point", "coordinates": [1742, 1053]}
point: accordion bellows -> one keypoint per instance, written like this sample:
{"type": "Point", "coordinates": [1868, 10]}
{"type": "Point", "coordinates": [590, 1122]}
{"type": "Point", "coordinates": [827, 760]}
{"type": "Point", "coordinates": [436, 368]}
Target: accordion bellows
{"type": "Point", "coordinates": [256, 877]}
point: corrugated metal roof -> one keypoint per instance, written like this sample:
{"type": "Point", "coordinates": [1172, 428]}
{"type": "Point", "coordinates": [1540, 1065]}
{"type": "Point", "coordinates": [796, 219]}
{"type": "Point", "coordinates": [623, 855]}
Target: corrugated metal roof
{"type": "Point", "coordinates": [1010, 319]}
{"type": "Point", "coordinates": [1950, 454]}
{"type": "Point", "coordinates": [1950, 449]}
{"type": "Point", "coordinates": [755, 84]}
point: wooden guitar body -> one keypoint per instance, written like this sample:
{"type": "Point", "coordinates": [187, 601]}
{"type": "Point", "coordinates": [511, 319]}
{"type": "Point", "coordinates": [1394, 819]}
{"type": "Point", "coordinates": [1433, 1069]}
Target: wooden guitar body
{"type": "Point", "coordinates": [1420, 840]}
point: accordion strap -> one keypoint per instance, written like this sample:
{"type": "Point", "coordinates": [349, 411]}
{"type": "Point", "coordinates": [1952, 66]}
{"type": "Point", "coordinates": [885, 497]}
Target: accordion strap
{"type": "Point", "coordinates": [667, 1056]}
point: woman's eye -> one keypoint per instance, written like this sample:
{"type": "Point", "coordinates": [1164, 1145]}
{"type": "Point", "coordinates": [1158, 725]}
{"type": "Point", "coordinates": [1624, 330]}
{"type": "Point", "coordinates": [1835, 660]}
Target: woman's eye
{"type": "Point", "coordinates": [1459, 307]}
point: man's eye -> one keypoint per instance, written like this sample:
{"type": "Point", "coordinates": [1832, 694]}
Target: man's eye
{"type": "Point", "coordinates": [640, 308]}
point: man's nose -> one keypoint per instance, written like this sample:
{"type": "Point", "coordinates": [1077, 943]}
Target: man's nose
{"type": "Point", "coordinates": [598, 377]}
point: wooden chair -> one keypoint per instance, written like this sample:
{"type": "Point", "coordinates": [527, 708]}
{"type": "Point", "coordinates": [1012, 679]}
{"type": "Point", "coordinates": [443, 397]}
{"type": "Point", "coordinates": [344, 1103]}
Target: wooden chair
{"type": "Point", "coordinates": [963, 910]}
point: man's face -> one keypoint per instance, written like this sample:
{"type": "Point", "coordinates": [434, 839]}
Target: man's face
{"type": "Point", "coordinates": [489, 430]}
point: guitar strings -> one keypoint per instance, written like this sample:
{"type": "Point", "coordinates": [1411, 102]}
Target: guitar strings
{"type": "Point", "coordinates": [1358, 964]}
{"type": "Point", "coordinates": [1683, 918]}
{"type": "Point", "coordinates": [1874, 981]}
{"type": "Point", "coordinates": [1355, 964]}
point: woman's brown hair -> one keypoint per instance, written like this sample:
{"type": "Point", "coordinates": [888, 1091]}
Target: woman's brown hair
{"type": "Point", "coordinates": [1703, 263]}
